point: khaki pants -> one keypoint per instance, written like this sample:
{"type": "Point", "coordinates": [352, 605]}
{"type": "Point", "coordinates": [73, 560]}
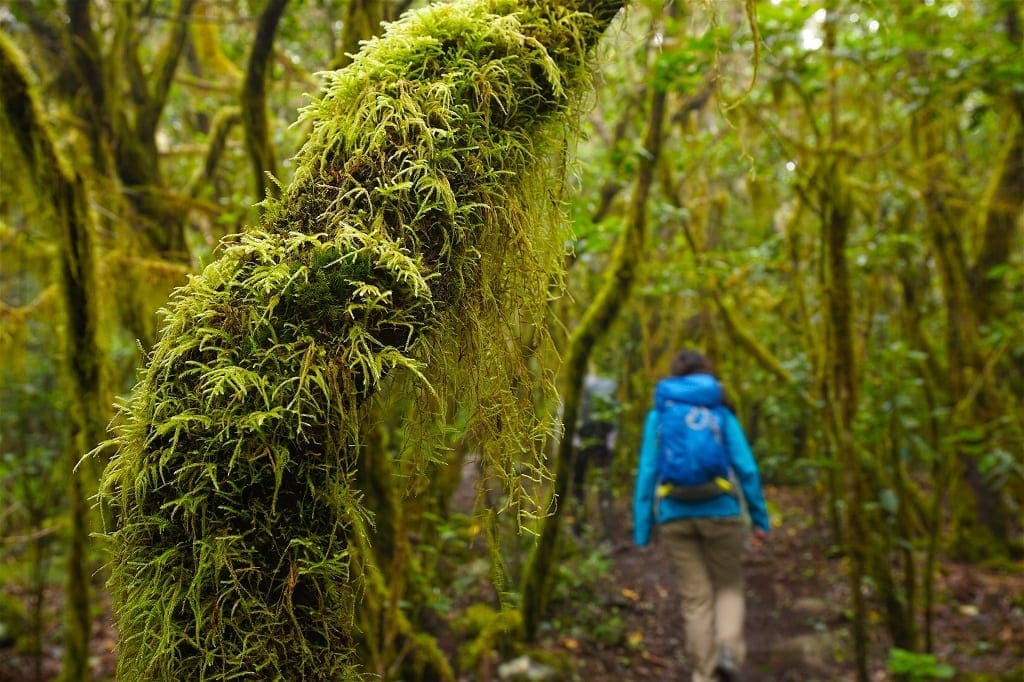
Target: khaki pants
{"type": "Point", "coordinates": [707, 555]}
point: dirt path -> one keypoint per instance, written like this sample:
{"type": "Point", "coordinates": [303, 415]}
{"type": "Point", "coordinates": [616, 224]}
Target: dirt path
{"type": "Point", "coordinates": [796, 624]}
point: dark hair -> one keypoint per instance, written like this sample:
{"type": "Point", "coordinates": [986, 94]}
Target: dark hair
{"type": "Point", "coordinates": [694, 362]}
{"type": "Point", "coordinates": [690, 362]}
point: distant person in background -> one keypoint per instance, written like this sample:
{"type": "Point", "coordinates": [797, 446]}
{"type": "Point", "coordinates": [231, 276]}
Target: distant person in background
{"type": "Point", "coordinates": [595, 444]}
{"type": "Point", "coordinates": [693, 457]}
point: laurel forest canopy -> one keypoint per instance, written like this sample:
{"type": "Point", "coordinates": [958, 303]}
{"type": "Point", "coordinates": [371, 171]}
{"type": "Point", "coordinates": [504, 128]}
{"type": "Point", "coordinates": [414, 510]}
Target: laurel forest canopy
{"type": "Point", "coordinates": [344, 445]}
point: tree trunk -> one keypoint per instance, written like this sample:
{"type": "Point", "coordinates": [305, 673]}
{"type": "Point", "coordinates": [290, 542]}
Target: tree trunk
{"type": "Point", "coordinates": [969, 293]}
{"type": "Point", "coordinates": [63, 191]}
{"type": "Point", "coordinates": [841, 402]}
{"type": "Point", "coordinates": [254, 101]}
{"type": "Point", "coordinates": [841, 374]}
{"type": "Point", "coordinates": [389, 641]}
{"type": "Point", "coordinates": [134, 126]}
{"type": "Point", "coordinates": [362, 21]}
{"type": "Point", "coordinates": [981, 522]}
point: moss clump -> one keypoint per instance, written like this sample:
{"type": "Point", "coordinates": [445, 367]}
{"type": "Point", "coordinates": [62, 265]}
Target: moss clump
{"type": "Point", "coordinates": [418, 234]}
{"type": "Point", "coordinates": [489, 631]}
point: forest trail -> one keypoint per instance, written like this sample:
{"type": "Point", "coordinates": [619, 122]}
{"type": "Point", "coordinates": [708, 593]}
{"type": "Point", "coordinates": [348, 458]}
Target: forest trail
{"type": "Point", "coordinates": [796, 624]}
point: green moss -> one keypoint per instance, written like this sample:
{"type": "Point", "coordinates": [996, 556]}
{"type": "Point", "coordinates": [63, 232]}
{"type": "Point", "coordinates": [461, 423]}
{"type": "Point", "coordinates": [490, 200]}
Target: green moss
{"type": "Point", "coordinates": [490, 631]}
{"type": "Point", "coordinates": [418, 235]}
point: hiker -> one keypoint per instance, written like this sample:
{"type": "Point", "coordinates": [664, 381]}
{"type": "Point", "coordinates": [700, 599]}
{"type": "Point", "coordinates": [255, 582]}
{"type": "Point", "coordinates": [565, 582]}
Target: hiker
{"type": "Point", "coordinates": [693, 457]}
{"type": "Point", "coordinates": [595, 445]}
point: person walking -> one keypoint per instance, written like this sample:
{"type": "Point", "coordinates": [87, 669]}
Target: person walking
{"type": "Point", "coordinates": [595, 449]}
{"type": "Point", "coordinates": [693, 457]}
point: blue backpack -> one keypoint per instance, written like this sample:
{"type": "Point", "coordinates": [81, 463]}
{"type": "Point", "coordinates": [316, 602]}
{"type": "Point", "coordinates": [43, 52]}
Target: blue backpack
{"type": "Point", "coordinates": [692, 458]}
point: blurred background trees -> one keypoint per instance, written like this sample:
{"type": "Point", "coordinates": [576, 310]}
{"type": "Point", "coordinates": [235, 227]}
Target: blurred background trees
{"type": "Point", "coordinates": [835, 216]}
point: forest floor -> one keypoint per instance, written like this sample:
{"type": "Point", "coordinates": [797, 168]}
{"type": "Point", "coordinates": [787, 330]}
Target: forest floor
{"type": "Point", "coordinates": [797, 623]}
{"type": "Point", "coordinates": [615, 615]}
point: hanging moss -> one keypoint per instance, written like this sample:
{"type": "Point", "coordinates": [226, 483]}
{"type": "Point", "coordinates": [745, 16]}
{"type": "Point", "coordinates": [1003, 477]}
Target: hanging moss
{"type": "Point", "coordinates": [417, 236]}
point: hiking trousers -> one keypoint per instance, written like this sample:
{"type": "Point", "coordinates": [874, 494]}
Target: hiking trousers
{"type": "Point", "coordinates": [707, 554]}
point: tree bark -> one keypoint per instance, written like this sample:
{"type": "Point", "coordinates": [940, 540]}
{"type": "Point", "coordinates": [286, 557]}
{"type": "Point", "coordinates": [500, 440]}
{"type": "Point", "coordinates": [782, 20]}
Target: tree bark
{"type": "Point", "coordinates": [133, 136]}
{"type": "Point", "coordinates": [254, 100]}
{"type": "Point", "coordinates": [975, 395]}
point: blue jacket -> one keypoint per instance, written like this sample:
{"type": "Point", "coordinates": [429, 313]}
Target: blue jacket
{"type": "Point", "coordinates": [697, 389]}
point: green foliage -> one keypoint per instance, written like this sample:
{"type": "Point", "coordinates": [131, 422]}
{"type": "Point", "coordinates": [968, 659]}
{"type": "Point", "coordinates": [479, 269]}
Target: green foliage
{"type": "Point", "coordinates": [918, 666]}
{"type": "Point", "coordinates": [13, 622]}
{"type": "Point", "coordinates": [418, 236]}
{"type": "Point", "coordinates": [489, 631]}
{"type": "Point", "coordinates": [582, 606]}
{"type": "Point", "coordinates": [684, 69]}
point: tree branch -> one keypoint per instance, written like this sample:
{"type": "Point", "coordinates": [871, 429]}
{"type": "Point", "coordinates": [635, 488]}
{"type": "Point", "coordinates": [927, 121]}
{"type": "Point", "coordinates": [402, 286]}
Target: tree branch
{"type": "Point", "coordinates": [166, 64]}
{"type": "Point", "coordinates": [223, 122]}
{"type": "Point", "coordinates": [254, 99]}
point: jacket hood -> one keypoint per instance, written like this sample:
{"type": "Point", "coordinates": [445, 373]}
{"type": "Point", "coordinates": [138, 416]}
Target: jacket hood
{"type": "Point", "coordinates": [692, 389]}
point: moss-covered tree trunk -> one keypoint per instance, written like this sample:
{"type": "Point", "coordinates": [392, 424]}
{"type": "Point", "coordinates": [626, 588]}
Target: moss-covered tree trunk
{"type": "Point", "coordinates": [416, 221]}
{"type": "Point", "coordinates": [841, 381]}
{"type": "Point", "coordinates": [971, 388]}
{"type": "Point", "coordinates": [978, 393]}
{"type": "Point", "coordinates": [841, 402]}
{"type": "Point", "coordinates": [62, 192]}
{"type": "Point", "coordinates": [388, 641]}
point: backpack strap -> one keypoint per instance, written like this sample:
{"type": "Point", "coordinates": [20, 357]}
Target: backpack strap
{"type": "Point", "coordinates": [697, 493]}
